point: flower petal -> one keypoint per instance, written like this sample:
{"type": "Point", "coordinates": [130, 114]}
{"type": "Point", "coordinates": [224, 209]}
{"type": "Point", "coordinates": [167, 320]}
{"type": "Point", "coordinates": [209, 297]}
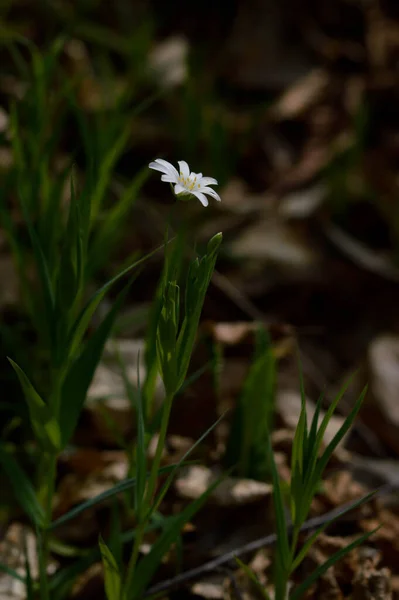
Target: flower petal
{"type": "Point", "coordinates": [201, 197]}
{"type": "Point", "coordinates": [179, 189]}
{"type": "Point", "coordinates": [157, 167]}
{"type": "Point", "coordinates": [165, 167]}
{"type": "Point", "coordinates": [210, 192]}
{"type": "Point", "coordinates": [184, 168]}
{"type": "Point", "coordinates": [208, 181]}
{"type": "Point", "coordinates": [168, 178]}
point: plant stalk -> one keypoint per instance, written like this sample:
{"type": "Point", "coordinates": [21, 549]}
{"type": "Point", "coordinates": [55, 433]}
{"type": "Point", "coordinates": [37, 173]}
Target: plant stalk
{"type": "Point", "coordinates": [151, 486]}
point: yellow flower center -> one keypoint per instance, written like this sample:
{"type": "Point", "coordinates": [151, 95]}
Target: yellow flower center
{"type": "Point", "coordinates": [188, 182]}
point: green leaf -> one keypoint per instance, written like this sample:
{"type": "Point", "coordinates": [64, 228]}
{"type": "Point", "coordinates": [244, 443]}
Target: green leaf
{"type": "Point", "coordinates": [312, 448]}
{"type": "Point", "coordinates": [11, 572]}
{"type": "Point", "coordinates": [44, 424]}
{"type": "Point", "coordinates": [330, 412]}
{"type": "Point", "coordinates": [109, 229]}
{"type": "Point", "coordinates": [62, 581]}
{"type": "Point", "coordinates": [115, 533]}
{"type": "Point", "coordinates": [166, 337]}
{"type": "Point", "coordinates": [112, 576]}
{"type": "Point", "coordinates": [84, 318]}
{"type": "Point", "coordinates": [283, 555]}
{"type": "Point", "coordinates": [171, 269]}
{"type": "Point", "coordinates": [42, 266]}
{"type": "Point", "coordinates": [70, 268]}
{"type": "Point", "coordinates": [141, 454]}
{"type": "Point", "coordinates": [198, 279]}
{"type": "Point", "coordinates": [105, 171]}
{"type": "Point", "coordinates": [251, 424]}
{"type": "Point", "coordinates": [322, 462]}
{"type": "Point", "coordinates": [251, 575]}
{"type": "Point", "coordinates": [29, 587]}
{"type": "Point", "coordinates": [119, 488]}
{"type": "Point", "coordinates": [178, 465]}
{"type": "Point", "coordinates": [22, 487]}
{"type": "Point", "coordinates": [301, 589]}
{"type": "Point", "coordinates": [148, 565]}
{"type": "Point", "coordinates": [81, 373]}
{"type": "Point", "coordinates": [311, 540]}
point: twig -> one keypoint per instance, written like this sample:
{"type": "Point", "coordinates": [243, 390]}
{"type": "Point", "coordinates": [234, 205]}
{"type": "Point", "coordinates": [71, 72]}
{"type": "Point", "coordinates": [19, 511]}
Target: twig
{"type": "Point", "coordinates": [269, 540]}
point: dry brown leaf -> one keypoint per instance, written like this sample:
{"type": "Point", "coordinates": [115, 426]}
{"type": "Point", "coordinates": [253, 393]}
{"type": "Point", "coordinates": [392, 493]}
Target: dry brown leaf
{"type": "Point", "coordinates": [301, 96]}
{"type": "Point", "coordinates": [12, 554]}
{"type": "Point", "coordinates": [231, 491]}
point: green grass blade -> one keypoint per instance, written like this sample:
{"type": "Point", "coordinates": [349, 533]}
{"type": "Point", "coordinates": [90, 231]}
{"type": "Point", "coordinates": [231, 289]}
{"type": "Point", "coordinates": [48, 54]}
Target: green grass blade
{"type": "Point", "coordinates": [11, 572]}
{"type": "Point", "coordinates": [44, 424]}
{"type": "Point", "coordinates": [141, 450]}
{"type": "Point", "coordinates": [148, 565]}
{"type": "Point", "coordinates": [312, 449]}
{"type": "Point", "coordinates": [181, 462]}
{"type": "Point", "coordinates": [279, 508]}
{"type": "Point", "coordinates": [22, 488]}
{"type": "Point", "coordinates": [109, 229]}
{"type": "Point", "coordinates": [301, 589]}
{"type": "Point", "coordinates": [322, 462]}
{"type": "Point", "coordinates": [303, 401]}
{"type": "Point", "coordinates": [115, 533]}
{"type": "Point", "coordinates": [311, 540]}
{"type": "Point", "coordinates": [119, 488]}
{"type": "Point", "coordinates": [42, 267]}
{"type": "Point", "coordinates": [28, 578]}
{"type": "Point", "coordinates": [330, 412]}
{"type": "Point", "coordinates": [85, 317]}
{"type": "Point", "coordinates": [252, 420]}
{"type": "Point", "coordinates": [63, 579]}
{"type": "Point", "coordinates": [105, 171]}
{"type": "Point", "coordinates": [81, 373]}
{"type": "Point", "coordinates": [112, 576]}
{"type": "Point", "coordinates": [251, 575]}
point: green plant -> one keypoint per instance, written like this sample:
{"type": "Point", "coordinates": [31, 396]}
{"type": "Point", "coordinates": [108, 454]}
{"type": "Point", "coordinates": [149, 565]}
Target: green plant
{"type": "Point", "coordinates": [67, 230]}
{"type": "Point", "coordinates": [247, 450]}
{"type": "Point", "coordinates": [308, 463]}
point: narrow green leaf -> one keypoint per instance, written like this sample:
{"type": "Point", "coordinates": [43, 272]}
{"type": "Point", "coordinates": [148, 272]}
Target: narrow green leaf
{"type": "Point", "coordinates": [330, 412]}
{"type": "Point", "coordinates": [312, 448]}
{"type": "Point", "coordinates": [311, 540]}
{"type": "Point", "coordinates": [322, 462]}
{"type": "Point", "coordinates": [41, 262]}
{"type": "Point", "coordinates": [141, 453]}
{"type": "Point", "coordinates": [301, 589]}
{"type": "Point", "coordinates": [251, 575]}
{"type": "Point", "coordinates": [166, 337]}
{"type": "Point", "coordinates": [178, 465]}
{"type": "Point", "coordinates": [105, 171]}
{"type": "Point", "coordinates": [108, 230]}
{"type": "Point", "coordinates": [84, 319]}
{"type": "Point", "coordinates": [28, 578]}
{"type": "Point", "coordinates": [81, 373]}
{"type": "Point", "coordinates": [119, 488]}
{"type": "Point", "coordinates": [112, 576]}
{"type": "Point", "coordinates": [63, 579]}
{"type": "Point", "coordinates": [279, 508]}
{"type": "Point", "coordinates": [148, 565]}
{"type": "Point", "coordinates": [44, 424]}
{"type": "Point", "coordinates": [11, 572]}
{"type": "Point", "coordinates": [22, 488]}
{"type": "Point", "coordinates": [303, 401]}
{"type": "Point", "coordinates": [199, 276]}
{"type": "Point", "coordinates": [115, 535]}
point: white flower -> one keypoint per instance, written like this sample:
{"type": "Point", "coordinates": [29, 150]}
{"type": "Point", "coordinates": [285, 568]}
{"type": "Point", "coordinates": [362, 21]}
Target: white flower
{"type": "Point", "coordinates": [186, 183]}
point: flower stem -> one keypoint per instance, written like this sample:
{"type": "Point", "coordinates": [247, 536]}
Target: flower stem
{"type": "Point", "coordinates": [148, 500]}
